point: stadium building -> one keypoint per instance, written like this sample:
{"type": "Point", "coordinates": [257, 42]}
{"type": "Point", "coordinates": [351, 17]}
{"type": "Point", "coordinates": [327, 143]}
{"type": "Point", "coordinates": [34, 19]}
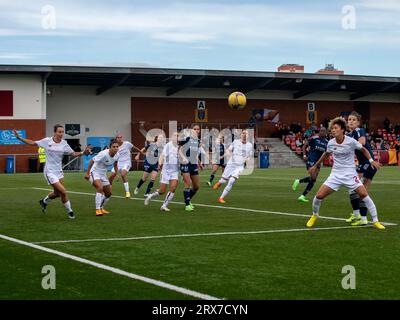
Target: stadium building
{"type": "Point", "coordinates": [96, 102]}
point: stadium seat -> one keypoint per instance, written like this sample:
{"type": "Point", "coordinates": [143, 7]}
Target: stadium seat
{"type": "Point", "coordinates": [384, 157]}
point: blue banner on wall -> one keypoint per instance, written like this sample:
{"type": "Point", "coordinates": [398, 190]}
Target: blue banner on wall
{"type": "Point", "coordinates": [98, 144]}
{"type": "Point", "coordinates": [7, 137]}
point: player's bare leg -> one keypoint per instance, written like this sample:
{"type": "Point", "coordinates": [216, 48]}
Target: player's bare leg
{"type": "Point", "coordinates": [106, 197]}
{"type": "Point", "coordinates": [60, 191]}
{"type": "Point", "coordinates": [99, 196]}
{"type": "Point", "coordinates": [322, 193]}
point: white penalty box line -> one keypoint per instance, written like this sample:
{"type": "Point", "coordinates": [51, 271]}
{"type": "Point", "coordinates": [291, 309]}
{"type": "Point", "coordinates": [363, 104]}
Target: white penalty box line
{"type": "Point", "coordinates": [192, 235]}
{"type": "Point", "coordinates": [121, 272]}
{"type": "Point", "coordinates": [248, 210]}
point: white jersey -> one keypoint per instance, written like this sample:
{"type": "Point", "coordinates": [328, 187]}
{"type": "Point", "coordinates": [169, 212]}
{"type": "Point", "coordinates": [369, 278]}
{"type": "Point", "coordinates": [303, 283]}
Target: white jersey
{"type": "Point", "coordinates": [54, 153]}
{"type": "Point", "coordinates": [124, 151]}
{"type": "Point", "coordinates": [103, 160]}
{"type": "Point", "coordinates": [240, 153]}
{"type": "Point", "coordinates": [170, 154]}
{"type": "Point", "coordinates": [343, 153]}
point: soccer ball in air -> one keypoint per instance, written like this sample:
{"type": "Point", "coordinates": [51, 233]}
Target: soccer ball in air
{"type": "Point", "coordinates": [237, 100]}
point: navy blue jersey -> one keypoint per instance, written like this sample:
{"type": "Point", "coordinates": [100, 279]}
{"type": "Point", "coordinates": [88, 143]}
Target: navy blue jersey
{"type": "Point", "coordinates": [317, 148]}
{"type": "Point", "coordinates": [357, 134]}
{"type": "Point", "coordinates": [221, 149]}
{"type": "Point", "coordinates": [191, 149]}
{"type": "Point", "coordinates": [152, 153]}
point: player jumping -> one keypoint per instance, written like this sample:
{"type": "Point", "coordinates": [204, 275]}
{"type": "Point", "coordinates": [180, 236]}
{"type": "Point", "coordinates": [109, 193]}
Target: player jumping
{"type": "Point", "coordinates": [317, 144]}
{"type": "Point", "coordinates": [343, 171]}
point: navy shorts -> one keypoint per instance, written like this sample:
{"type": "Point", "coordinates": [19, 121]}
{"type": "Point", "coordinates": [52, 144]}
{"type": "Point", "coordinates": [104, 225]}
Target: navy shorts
{"type": "Point", "coordinates": [310, 164]}
{"type": "Point", "coordinates": [192, 169]}
{"type": "Point", "coordinates": [149, 168]}
{"type": "Point", "coordinates": [367, 170]}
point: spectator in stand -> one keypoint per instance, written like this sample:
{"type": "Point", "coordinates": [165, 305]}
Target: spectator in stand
{"type": "Point", "coordinates": [397, 128]}
{"type": "Point", "coordinates": [386, 124]}
{"type": "Point", "coordinates": [372, 144]}
{"type": "Point", "coordinates": [325, 123]}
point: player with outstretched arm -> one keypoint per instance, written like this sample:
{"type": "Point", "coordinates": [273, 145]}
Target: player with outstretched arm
{"type": "Point", "coordinates": [55, 148]}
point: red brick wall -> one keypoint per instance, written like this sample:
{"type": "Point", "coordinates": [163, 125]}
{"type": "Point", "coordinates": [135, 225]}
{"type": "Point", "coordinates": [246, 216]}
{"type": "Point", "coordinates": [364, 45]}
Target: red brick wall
{"type": "Point", "coordinates": [35, 130]}
{"type": "Point", "coordinates": [380, 110]}
{"type": "Point", "coordinates": [157, 111]}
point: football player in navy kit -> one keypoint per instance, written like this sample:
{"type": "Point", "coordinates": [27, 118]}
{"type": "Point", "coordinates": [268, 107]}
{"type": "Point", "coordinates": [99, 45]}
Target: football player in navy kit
{"type": "Point", "coordinates": [317, 146]}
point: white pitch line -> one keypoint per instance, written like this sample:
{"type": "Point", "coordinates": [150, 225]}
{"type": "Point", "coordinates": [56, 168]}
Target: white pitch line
{"type": "Point", "coordinates": [189, 235]}
{"type": "Point", "coordinates": [224, 207]}
{"type": "Point", "coordinates": [113, 270]}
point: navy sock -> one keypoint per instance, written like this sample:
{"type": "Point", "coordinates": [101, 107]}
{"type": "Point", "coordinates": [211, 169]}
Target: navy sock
{"type": "Point", "coordinates": [212, 178]}
{"type": "Point", "coordinates": [186, 196]}
{"type": "Point", "coordinates": [310, 185]}
{"type": "Point", "coordinates": [192, 193]}
{"type": "Point", "coordinates": [305, 180]}
{"type": "Point", "coordinates": [151, 184]}
{"type": "Point", "coordinates": [141, 181]}
{"type": "Point", "coordinates": [363, 209]}
{"type": "Point", "coordinates": [355, 201]}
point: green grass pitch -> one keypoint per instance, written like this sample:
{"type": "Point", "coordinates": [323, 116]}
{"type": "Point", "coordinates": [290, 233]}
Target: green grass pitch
{"type": "Point", "coordinates": [278, 264]}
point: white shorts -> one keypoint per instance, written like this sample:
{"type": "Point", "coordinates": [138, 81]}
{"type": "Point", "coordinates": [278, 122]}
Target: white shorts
{"type": "Point", "coordinates": [53, 177]}
{"type": "Point", "coordinates": [124, 166]}
{"type": "Point", "coordinates": [232, 170]}
{"type": "Point", "coordinates": [98, 176]}
{"type": "Point", "coordinates": [166, 176]}
{"type": "Point", "coordinates": [349, 179]}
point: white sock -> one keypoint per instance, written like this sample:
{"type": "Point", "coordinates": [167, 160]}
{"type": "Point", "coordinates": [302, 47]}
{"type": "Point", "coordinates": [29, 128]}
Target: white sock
{"type": "Point", "coordinates": [67, 206]}
{"type": "Point", "coordinates": [104, 202]}
{"type": "Point", "coordinates": [126, 186]}
{"type": "Point", "coordinates": [46, 200]}
{"type": "Point", "coordinates": [228, 187]}
{"type": "Point", "coordinates": [222, 181]}
{"type": "Point", "coordinates": [168, 198]}
{"type": "Point", "coordinates": [371, 208]}
{"type": "Point", "coordinates": [316, 204]}
{"type": "Point", "coordinates": [356, 213]}
{"type": "Point", "coordinates": [99, 200]}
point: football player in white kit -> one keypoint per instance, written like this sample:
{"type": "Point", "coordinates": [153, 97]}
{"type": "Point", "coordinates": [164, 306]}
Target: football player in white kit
{"type": "Point", "coordinates": [124, 162]}
{"type": "Point", "coordinates": [343, 171]}
{"type": "Point", "coordinates": [169, 163]}
{"type": "Point", "coordinates": [55, 148]}
{"type": "Point", "coordinates": [239, 151]}
{"type": "Point", "coordinates": [97, 174]}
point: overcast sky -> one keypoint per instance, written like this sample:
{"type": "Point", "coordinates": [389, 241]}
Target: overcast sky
{"type": "Point", "coordinates": [359, 37]}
